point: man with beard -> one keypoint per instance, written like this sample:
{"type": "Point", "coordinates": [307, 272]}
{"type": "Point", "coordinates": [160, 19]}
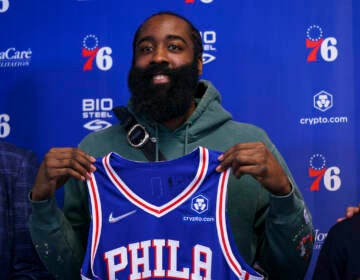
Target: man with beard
{"type": "Point", "coordinates": [269, 220]}
{"type": "Point", "coordinates": [163, 101]}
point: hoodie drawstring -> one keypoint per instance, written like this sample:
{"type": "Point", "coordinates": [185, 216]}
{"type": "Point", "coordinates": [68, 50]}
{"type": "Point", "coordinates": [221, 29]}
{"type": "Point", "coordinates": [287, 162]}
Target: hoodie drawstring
{"type": "Point", "coordinates": [186, 138]}
{"type": "Point", "coordinates": [156, 143]}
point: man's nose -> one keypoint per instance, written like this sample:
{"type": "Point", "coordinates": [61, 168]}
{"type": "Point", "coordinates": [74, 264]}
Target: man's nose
{"type": "Point", "coordinates": [160, 56]}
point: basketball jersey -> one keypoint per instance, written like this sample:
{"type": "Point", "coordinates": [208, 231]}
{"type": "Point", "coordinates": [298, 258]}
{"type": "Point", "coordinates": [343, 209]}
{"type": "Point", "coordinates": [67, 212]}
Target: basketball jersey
{"type": "Point", "coordinates": [161, 220]}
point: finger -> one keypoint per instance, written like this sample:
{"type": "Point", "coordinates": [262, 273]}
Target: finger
{"type": "Point", "coordinates": [239, 167]}
{"type": "Point", "coordinates": [71, 156]}
{"type": "Point", "coordinates": [70, 151]}
{"type": "Point", "coordinates": [77, 163]}
{"type": "Point", "coordinates": [237, 173]}
{"type": "Point", "coordinates": [258, 171]}
{"type": "Point", "coordinates": [235, 161]}
{"type": "Point", "coordinates": [237, 149]}
{"type": "Point", "coordinates": [226, 161]}
{"type": "Point", "coordinates": [350, 211]}
{"type": "Point", "coordinates": [70, 172]}
{"type": "Point", "coordinates": [73, 151]}
{"type": "Point", "coordinates": [68, 166]}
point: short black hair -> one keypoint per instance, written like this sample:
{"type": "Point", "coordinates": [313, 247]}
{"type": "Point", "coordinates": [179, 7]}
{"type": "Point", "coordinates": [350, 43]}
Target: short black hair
{"type": "Point", "coordinates": [195, 34]}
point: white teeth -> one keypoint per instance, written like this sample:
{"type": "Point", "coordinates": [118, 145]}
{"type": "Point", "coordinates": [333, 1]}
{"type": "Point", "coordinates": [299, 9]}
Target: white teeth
{"type": "Point", "coordinates": [159, 77]}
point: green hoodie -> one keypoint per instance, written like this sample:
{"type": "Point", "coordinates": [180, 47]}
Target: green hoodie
{"type": "Point", "coordinates": [274, 232]}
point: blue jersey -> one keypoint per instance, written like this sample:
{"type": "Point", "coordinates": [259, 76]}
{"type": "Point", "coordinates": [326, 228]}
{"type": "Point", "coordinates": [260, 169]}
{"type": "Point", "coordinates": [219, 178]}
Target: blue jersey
{"type": "Point", "coordinates": [161, 220]}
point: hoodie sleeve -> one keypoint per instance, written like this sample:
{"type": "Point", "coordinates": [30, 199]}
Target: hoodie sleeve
{"type": "Point", "coordinates": [60, 236]}
{"type": "Point", "coordinates": [288, 236]}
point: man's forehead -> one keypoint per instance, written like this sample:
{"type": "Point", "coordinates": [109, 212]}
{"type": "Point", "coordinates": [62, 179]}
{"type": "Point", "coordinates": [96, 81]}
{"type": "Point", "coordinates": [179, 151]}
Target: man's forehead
{"type": "Point", "coordinates": [168, 26]}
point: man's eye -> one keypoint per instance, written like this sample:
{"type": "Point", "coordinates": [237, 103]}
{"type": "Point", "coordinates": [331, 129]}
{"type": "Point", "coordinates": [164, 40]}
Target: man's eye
{"type": "Point", "coordinates": [174, 47]}
{"type": "Point", "coordinates": [146, 49]}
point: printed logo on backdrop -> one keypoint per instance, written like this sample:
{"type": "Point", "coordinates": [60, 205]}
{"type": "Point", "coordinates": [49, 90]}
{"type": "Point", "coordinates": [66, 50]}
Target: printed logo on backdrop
{"type": "Point", "coordinates": [323, 101]}
{"type": "Point", "coordinates": [321, 48]}
{"type": "Point", "coordinates": [4, 125]}
{"type": "Point", "coordinates": [4, 5]}
{"type": "Point", "coordinates": [202, 1]}
{"type": "Point", "coordinates": [327, 178]}
{"type": "Point", "coordinates": [97, 112]}
{"type": "Point", "coordinates": [96, 56]}
{"type": "Point", "coordinates": [209, 41]}
{"type": "Point", "coordinates": [319, 239]}
{"type": "Point", "coordinates": [13, 57]}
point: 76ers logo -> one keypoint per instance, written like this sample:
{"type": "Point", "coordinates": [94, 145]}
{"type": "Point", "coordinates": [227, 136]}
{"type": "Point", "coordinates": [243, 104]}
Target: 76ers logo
{"type": "Point", "coordinates": [4, 5]}
{"type": "Point", "coordinates": [101, 55]}
{"type": "Point", "coordinates": [203, 1]}
{"type": "Point", "coordinates": [4, 125]}
{"type": "Point", "coordinates": [315, 41]}
{"type": "Point", "coordinates": [329, 175]}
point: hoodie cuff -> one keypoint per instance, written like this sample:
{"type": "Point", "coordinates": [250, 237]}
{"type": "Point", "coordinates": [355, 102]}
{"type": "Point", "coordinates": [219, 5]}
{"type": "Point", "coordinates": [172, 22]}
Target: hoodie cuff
{"type": "Point", "coordinates": [45, 213]}
{"type": "Point", "coordinates": [286, 204]}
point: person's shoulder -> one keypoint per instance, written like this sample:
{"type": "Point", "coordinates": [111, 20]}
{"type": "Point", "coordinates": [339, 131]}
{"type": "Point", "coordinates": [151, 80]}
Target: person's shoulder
{"type": "Point", "coordinates": [8, 149]}
{"type": "Point", "coordinates": [249, 129]}
{"type": "Point", "coordinates": [347, 226]}
{"type": "Point", "coordinates": [13, 156]}
{"type": "Point", "coordinates": [249, 126]}
{"type": "Point", "coordinates": [345, 232]}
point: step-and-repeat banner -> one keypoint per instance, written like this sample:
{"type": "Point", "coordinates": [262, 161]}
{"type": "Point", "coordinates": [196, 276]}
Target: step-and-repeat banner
{"type": "Point", "coordinates": [290, 67]}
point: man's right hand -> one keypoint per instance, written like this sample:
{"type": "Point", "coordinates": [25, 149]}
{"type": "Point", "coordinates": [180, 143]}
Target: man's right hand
{"type": "Point", "coordinates": [58, 166]}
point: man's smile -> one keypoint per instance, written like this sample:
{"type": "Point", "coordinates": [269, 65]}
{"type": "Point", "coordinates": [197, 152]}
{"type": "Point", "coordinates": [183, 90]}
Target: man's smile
{"type": "Point", "coordinates": [160, 79]}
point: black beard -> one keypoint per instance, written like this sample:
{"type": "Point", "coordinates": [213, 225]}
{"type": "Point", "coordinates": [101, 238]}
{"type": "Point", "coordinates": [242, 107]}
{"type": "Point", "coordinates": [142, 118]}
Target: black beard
{"type": "Point", "coordinates": [163, 102]}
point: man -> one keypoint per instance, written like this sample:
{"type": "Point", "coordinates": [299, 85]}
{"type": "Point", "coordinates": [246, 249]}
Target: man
{"type": "Point", "coordinates": [18, 258]}
{"type": "Point", "coordinates": [338, 258]}
{"type": "Point", "coordinates": [339, 255]}
{"type": "Point", "coordinates": [269, 220]}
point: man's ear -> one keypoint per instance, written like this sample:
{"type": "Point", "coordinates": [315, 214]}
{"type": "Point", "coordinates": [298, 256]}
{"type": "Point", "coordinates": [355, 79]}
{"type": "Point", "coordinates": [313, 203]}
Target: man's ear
{"type": "Point", "coordinates": [200, 65]}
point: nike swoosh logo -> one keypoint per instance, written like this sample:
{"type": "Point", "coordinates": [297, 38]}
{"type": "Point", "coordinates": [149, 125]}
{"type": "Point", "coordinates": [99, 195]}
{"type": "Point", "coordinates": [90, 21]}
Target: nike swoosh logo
{"type": "Point", "coordinates": [118, 218]}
